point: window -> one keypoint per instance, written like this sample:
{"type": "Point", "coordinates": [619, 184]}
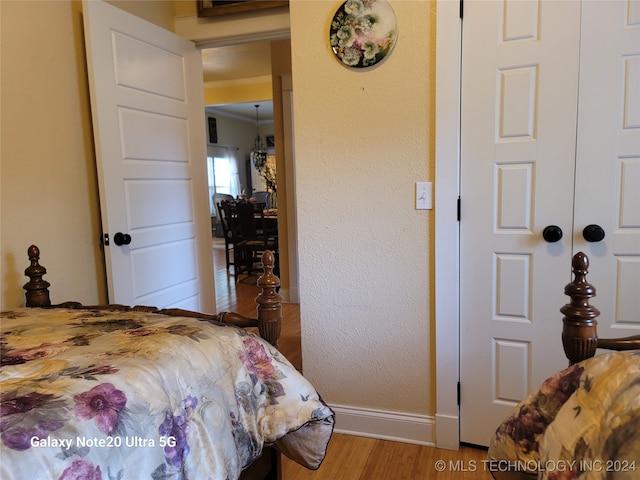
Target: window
{"type": "Point", "coordinates": [222, 177]}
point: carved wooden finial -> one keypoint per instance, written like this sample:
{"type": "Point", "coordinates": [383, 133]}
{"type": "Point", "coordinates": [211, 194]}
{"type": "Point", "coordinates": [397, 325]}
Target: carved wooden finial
{"type": "Point", "coordinates": [579, 331]}
{"type": "Point", "coordinates": [580, 291]}
{"type": "Point", "coordinates": [37, 289]}
{"type": "Point", "coordinates": [580, 267]}
{"type": "Point", "coordinates": [269, 301]}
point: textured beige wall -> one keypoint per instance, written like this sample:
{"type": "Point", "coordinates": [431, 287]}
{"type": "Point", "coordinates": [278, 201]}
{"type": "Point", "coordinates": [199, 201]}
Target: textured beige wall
{"type": "Point", "coordinates": [48, 181]}
{"type": "Point", "coordinates": [362, 140]}
{"type": "Point", "coordinates": [49, 194]}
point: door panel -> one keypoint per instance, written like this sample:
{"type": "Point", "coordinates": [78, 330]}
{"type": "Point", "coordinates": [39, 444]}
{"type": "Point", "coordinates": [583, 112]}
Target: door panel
{"type": "Point", "coordinates": [514, 359]}
{"type": "Point", "coordinates": [170, 137]}
{"type": "Point", "coordinates": [517, 152]}
{"type": "Point", "coordinates": [162, 74]}
{"type": "Point", "coordinates": [608, 161]}
{"type": "Point", "coordinates": [514, 190]}
{"type": "Point", "coordinates": [147, 107]}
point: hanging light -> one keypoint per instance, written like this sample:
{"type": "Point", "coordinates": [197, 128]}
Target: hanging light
{"type": "Point", "coordinates": [258, 152]}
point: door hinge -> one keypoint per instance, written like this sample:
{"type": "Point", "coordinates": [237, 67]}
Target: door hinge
{"type": "Point", "coordinates": [461, 8]}
{"type": "Point", "coordinates": [458, 209]}
{"type": "Point", "coordinates": [458, 393]}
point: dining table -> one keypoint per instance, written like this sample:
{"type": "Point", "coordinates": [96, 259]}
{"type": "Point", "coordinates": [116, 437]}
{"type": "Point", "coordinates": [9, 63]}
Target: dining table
{"type": "Point", "coordinates": [271, 219]}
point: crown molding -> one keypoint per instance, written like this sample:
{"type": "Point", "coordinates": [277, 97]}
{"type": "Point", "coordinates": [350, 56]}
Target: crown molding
{"type": "Point", "coordinates": [205, 33]}
{"type": "Point", "coordinates": [282, 34]}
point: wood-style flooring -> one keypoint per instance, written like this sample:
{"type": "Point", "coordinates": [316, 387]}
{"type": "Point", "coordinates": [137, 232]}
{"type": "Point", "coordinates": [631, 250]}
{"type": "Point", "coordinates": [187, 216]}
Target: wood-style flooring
{"type": "Point", "coordinates": [348, 457]}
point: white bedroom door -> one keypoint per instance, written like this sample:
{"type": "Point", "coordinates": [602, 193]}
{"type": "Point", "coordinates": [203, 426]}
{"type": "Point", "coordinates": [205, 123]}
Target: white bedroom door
{"type": "Point", "coordinates": [519, 127]}
{"type": "Point", "coordinates": [519, 101]}
{"type": "Point", "coordinates": [147, 108]}
{"type": "Point", "coordinates": [608, 161]}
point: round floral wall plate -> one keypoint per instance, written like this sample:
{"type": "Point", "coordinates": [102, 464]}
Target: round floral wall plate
{"type": "Point", "coordinates": [363, 32]}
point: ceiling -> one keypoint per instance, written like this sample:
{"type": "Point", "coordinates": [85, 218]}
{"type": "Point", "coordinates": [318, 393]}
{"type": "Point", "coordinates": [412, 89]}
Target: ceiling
{"type": "Point", "coordinates": [238, 63]}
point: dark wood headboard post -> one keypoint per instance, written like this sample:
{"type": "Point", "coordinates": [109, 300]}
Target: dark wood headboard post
{"type": "Point", "coordinates": [37, 289]}
{"type": "Point", "coordinates": [579, 330]}
{"type": "Point", "coordinates": [269, 302]}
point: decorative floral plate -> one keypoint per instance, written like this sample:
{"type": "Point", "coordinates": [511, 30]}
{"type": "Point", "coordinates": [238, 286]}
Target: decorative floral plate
{"type": "Point", "coordinates": [363, 32]}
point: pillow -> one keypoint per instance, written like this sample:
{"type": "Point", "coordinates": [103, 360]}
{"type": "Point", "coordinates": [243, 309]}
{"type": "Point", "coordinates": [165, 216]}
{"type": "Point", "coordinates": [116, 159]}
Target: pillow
{"type": "Point", "coordinates": [582, 419]}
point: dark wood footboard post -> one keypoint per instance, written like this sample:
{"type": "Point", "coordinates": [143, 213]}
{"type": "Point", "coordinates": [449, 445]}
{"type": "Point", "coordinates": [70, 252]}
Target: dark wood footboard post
{"type": "Point", "coordinates": [37, 289]}
{"type": "Point", "coordinates": [579, 330]}
{"type": "Point", "coordinates": [269, 302]}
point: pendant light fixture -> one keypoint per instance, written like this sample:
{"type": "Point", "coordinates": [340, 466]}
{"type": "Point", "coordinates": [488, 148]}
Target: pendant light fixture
{"type": "Point", "coordinates": [258, 152]}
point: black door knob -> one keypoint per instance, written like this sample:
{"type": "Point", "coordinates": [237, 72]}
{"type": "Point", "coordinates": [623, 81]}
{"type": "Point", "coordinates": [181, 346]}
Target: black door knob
{"type": "Point", "coordinates": [122, 239]}
{"type": "Point", "coordinates": [593, 233]}
{"type": "Point", "coordinates": [552, 233]}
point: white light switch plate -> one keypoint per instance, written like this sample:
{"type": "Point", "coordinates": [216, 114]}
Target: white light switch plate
{"type": "Point", "coordinates": [423, 196]}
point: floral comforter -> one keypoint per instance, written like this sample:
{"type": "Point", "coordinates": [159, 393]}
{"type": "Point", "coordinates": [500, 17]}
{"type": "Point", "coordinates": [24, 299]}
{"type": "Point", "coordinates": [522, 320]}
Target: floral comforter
{"type": "Point", "coordinates": [582, 423]}
{"type": "Point", "coordinates": [120, 395]}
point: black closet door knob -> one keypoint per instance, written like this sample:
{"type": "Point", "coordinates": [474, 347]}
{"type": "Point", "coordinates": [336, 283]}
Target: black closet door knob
{"type": "Point", "coordinates": [552, 233]}
{"type": "Point", "coordinates": [593, 233]}
{"type": "Point", "coordinates": [122, 239]}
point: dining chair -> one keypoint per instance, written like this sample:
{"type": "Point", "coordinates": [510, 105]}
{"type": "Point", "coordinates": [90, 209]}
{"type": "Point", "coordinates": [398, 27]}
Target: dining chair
{"type": "Point", "coordinates": [262, 197]}
{"type": "Point", "coordinates": [218, 198]}
{"type": "Point", "coordinates": [251, 238]}
{"type": "Point", "coordinates": [226, 232]}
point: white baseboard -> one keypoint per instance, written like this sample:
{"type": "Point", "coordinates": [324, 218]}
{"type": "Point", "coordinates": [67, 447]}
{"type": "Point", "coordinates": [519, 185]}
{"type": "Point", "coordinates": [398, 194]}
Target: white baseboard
{"type": "Point", "coordinates": [289, 295]}
{"type": "Point", "coordinates": [394, 426]}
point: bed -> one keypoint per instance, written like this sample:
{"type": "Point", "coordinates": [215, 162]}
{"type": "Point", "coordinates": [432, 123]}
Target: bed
{"type": "Point", "coordinates": [117, 392]}
{"type": "Point", "coordinates": [584, 421]}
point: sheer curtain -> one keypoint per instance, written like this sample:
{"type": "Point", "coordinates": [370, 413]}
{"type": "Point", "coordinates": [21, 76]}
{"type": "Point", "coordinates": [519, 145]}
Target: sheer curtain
{"type": "Point", "coordinates": [234, 185]}
{"type": "Point", "coordinates": [222, 173]}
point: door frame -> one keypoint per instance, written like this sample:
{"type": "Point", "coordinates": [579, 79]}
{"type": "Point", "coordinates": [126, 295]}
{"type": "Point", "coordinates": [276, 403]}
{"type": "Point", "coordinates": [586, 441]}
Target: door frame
{"type": "Point", "coordinates": [447, 247]}
{"type": "Point", "coordinates": [276, 27]}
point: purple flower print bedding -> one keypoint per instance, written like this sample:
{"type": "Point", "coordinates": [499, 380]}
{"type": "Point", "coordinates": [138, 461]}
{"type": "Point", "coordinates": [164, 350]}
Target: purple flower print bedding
{"type": "Point", "coordinates": [101, 395]}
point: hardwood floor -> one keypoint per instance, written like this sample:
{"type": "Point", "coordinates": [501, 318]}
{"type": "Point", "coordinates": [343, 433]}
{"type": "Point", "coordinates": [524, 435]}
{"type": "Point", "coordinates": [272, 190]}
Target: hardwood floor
{"type": "Point", "coordinates": [358, 458]}
{"type": "Point", "coordinates": [348, 457]}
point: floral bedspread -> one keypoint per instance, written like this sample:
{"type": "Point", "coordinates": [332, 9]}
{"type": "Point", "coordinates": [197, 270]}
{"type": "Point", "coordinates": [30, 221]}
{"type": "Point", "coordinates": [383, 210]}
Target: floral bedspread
{"type": "Point", "coordinates": [121, 395]}
{"type": "Point", "coordinates": [582, 423]}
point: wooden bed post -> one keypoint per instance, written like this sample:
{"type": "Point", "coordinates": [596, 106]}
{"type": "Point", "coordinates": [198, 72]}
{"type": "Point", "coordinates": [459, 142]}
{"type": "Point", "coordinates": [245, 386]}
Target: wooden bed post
{"type": "Point", "coordinates": [269, 301]}
{"type": "Point", "coordinates": [579, 330]}
{"type": "Point", "coordinates": [37, 289]}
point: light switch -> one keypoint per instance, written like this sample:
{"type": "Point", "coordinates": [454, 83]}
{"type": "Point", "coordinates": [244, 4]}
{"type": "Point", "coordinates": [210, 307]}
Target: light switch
{"type": "Point", "coordinates": [423, 196]}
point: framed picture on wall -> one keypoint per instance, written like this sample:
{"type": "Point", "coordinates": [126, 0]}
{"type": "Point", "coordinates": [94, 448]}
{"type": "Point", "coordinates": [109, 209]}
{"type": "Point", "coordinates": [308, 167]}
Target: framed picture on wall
{"type": "Point", "coordinates": [213, 8]}
{"type": "Point", "coordinates": [271, 142]}
{"type": "Point", "coordinates": [212, 130]}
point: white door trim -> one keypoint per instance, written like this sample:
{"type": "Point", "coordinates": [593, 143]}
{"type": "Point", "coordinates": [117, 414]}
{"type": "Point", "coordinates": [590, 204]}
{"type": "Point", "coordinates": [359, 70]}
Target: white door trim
{"type": "Point", "coordinates": [447, 251]}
